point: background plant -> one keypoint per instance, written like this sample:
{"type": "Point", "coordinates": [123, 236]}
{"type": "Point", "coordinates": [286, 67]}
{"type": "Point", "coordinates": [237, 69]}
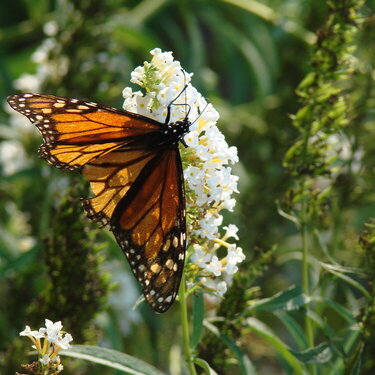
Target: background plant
{"type": "Point", "coordinates": [248, 58]}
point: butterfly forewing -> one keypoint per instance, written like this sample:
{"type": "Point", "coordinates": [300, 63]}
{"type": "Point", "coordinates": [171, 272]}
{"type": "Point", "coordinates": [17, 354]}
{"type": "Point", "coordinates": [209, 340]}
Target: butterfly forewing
{"type": "Point", "coordinates": [76, 132]}
{"type": "Point", "coordinates": [137, 182]}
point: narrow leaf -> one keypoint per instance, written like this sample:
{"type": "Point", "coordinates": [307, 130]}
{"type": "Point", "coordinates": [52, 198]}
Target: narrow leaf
{"type": "Point", "coordinates": [343, 269]}
{"type": "Point", "coordinates": [293, 327]}
{"type": "Point", "coordinates": [265, 332]}
{"type": "Point", "coordinates": [198, 314]}
{"type": "Point", "coordinates": [321, 323]}
{"type": "Point", "coordinates": [111, 358]}
{"type": "Point", "coordinates": [290, 299]}
{"type": "Point", "coordinates": [354, 283]}
{"type": "Point", "coordinates": [267, 13]}
{"type": "Point", "coordinates": [323, 246]}
{"type": "Point", "coordinates": [351, 342]}
{"type": "Point", "coordinates": [205, 366]}
{"type": "Point", "coordinates": [339, 309]}
{"type": "Point", "coordinates": [246, 367]}
{"type": "Point", "coordinates": [287, 216]}
{"type": "Point", "coordinates": [354, 366]}
{"type": "Point", "coordinates": [318, 354]}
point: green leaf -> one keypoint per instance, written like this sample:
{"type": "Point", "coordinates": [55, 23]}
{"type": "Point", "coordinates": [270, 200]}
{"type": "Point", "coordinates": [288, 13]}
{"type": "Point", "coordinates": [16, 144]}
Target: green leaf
{"type": "Point", "coordinates": [341, 344]}
{"type": "Point", "coordinates": [303, 113]}
{"type": "Point", "coordinates": [321, 323]}
{"type": "Point", "coordinates": [198, 315]}
{"type": "Point", "coordinates": [354, 366]}
{"type": "Point", "coordinates": [318, 354]}
{"type": "Point", "coordinates": [205, 366]}
{"type": "Point", "coordinates": [146, 9]}
{"type": "Point", "coordinates": [111, 358]}
{"type": "Point", "coordinates": [287, 216]}
{"type": "Point", "coordinates": [339, 273]}
{"type": "Point", "coordinates": [343, 269]}
{"type": "Point", "coordinates": [265, 12]}
{"type": "Point", "coordinates": [246, 367]}
{"type": "Point", "coordinates": [341, 310]}
{"type": "Point", "coordinates": [290, 299]}
{"type": "Point", "coordinates": [293, 327]}
{"type": "Point", "coordinates": [265, 332]}
{"type": "Point", "coordinates": [350, 342]}
{"type": "Point", "coordinates": [323, 246]}
{"type": "Point", "coordinates": [247, 48]}
{"type": "Point", "coordinates": [306, 83]}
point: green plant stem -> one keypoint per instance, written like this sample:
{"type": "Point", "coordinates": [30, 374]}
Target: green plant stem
{"type": "Point", "coordinates": [305, 271]}
{"type": "Point", "coordinates": [305, 278]}
{"type": "Point", "coordinates": [305, 251]}
{"type": "Point", "coordinates": [185, 327]}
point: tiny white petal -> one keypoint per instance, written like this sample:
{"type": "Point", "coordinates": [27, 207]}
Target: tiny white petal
{"type": "Point", "coordinates": [46, 359]}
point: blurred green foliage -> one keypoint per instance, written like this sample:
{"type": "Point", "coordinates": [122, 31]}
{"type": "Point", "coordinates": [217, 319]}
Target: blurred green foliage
{"type": "Point", "coordinates": [248, 58]}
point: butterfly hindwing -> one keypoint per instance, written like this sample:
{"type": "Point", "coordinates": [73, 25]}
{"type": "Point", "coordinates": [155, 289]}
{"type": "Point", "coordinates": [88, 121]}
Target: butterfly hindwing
{"type": "Point", "coordinates": [149, 225]}
{"type": "Point", "coordinates": [76, 132]}
{"type": "Point", "coordinates": [110, 177]}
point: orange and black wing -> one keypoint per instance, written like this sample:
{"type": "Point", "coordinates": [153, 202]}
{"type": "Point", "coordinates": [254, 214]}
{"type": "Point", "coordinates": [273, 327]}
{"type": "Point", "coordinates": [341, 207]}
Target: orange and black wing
{"type": "Point", "coordinates": [138, 190]}
{"type": "Point", "coordinates": [141, 195]}
{"type": "Point", "coordinates": [76, 132]}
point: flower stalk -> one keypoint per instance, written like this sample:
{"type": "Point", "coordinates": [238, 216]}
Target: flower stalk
{"type": "Point", "coordinates": [185, 327]}
{"type": "Point", "coordinates": [209, 182]}
{"type": "Point", "coordinates": [305, 276]}
{"type": "Point", "coordinates": [325, 111]}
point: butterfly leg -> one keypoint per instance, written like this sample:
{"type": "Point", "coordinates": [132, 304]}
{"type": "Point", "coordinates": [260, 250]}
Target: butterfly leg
{"type": "Point", "coordinates": [183, 142]}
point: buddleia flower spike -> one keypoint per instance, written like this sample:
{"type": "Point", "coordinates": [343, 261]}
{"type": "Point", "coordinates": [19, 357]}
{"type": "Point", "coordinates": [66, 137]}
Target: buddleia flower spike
{"type": "Point", "coordinates": [209, 179]}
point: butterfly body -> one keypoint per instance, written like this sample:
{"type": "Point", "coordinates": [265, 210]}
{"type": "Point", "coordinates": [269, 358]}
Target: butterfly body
{"type": "Point", "coordinates": [168, 137]}
{"type": "Point", "coordinates": [173, 133]}
{"type": "Point", "coordinates": [135, 172]}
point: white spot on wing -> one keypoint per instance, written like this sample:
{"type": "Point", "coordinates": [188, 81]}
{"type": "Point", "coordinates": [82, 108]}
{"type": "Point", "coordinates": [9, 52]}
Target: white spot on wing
{"type": "Point", "coordinates": [175, 241]}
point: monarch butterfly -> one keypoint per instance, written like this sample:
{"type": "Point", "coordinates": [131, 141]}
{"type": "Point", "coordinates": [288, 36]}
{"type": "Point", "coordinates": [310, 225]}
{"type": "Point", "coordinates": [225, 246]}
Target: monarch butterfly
{"type": "Point", "coordinates": [135, 172]}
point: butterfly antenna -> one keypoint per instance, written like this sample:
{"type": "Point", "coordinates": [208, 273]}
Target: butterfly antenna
{"type": "Point", "coordinates": [200, 113]}
{"type": "Point", "coordinates": [186, 113]}
{"type": "Point", "coordinates": [168, 117]}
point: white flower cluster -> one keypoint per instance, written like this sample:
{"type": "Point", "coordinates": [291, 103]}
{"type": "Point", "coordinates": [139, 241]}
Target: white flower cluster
{"type": "Point", "coordinates": [46, 68]}
{"type": "Point", "coordinates": [210, 182]}
{"type": "Point", "coordinates": [48, 341]}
